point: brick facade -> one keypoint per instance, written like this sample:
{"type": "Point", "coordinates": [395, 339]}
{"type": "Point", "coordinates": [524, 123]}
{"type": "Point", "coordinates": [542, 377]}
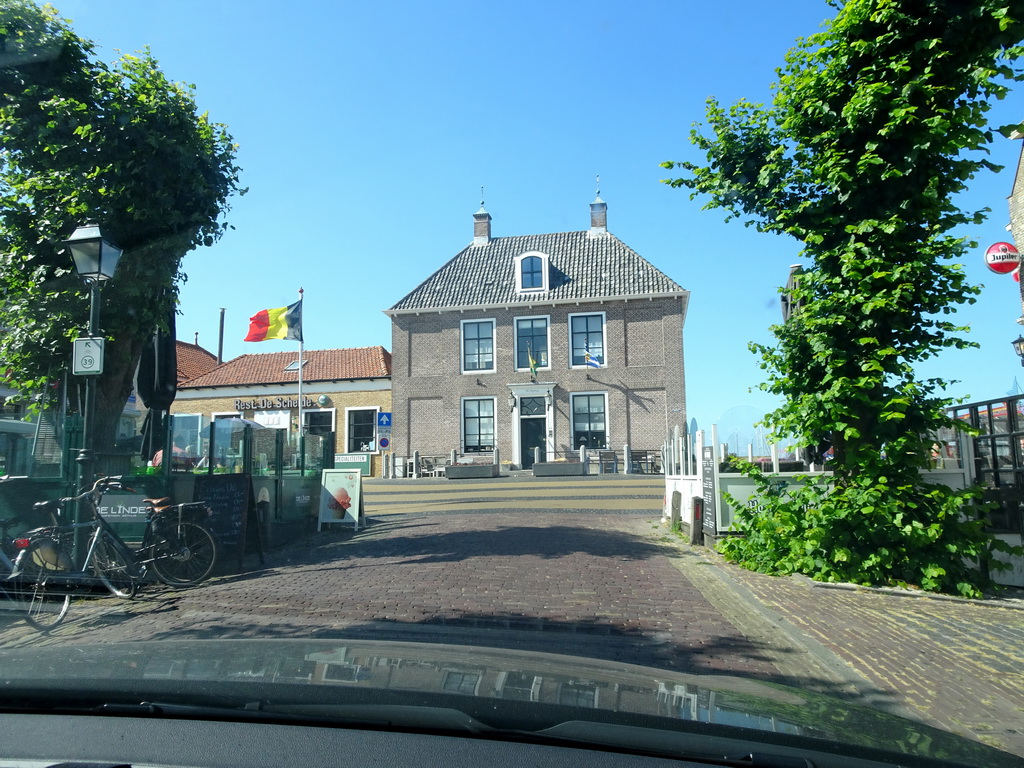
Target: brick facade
{"type": "Point", "coordinates": [642, 378]}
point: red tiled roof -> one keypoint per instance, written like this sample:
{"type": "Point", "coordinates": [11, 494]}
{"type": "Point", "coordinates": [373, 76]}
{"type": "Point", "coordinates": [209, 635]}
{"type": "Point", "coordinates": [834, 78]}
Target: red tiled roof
{"type": "Point", "coordinates": [320, 365]}
{"type": "Point", "coordinates": [193, 361]}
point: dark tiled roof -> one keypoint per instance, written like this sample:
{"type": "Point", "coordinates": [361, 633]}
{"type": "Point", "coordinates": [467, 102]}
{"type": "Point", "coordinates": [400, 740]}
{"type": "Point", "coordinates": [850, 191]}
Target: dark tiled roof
{"type": "Point", "coordinates": [583, 266]}
{"type": "Point", "coordinates": [321, 365]}
{"type": "Point", "coordinates": [193, 361]}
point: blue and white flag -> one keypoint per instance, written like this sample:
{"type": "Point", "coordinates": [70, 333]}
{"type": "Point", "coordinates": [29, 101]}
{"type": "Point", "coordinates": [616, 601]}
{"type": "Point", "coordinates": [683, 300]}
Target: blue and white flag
{"type": "Point", "coordinates": [590, 360]}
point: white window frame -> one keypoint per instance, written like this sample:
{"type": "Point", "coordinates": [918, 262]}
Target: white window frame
{"type": "Point", "coordinates": [462, 422]}
{"type": "Point", "coordinates": [544, 272]}
{"type": "Point", "coordinates": [515, 342]}
{"type": "Point", "coordinates": [333, 412]}
{"type": "Point", "coordinates": [462, 346]}
{"type": "Point", "coordinates": [604, 337]}
{"type": "Point", "coordinates": [376, 410]}
{"type": "Point", "coordinates": [572, 420]}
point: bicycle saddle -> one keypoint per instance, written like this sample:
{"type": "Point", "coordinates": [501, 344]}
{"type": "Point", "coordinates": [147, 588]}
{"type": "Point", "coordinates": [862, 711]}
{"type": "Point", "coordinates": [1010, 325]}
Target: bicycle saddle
{"type": "Point", "coordinates": [156, 502]}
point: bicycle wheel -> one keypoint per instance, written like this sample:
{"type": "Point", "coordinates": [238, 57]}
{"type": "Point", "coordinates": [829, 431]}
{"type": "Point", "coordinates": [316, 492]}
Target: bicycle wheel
{"type": "Point", "coordinates": [37, 591]}
{"type": "Point", "coordinates": [185, 555]}
{"type": "Point", "coordinates": [114, 567]}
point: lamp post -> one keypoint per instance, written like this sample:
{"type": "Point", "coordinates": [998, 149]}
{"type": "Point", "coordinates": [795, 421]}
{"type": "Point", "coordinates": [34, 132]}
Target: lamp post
{"type": "Point", "coordinates": [1018, 347]}
{"type": "Point", "coordinates": [95, 257]}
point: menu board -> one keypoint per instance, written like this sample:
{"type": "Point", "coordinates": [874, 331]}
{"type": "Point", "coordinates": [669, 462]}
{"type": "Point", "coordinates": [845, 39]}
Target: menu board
{"type": "Point", "coordinates": [707, 466]}
{"type": "Point", "coordinates": [229, 497]}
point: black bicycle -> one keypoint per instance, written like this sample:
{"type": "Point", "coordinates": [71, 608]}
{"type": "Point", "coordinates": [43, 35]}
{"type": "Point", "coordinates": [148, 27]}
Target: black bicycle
{"type": "Point", "coordinates": [176, 545]}
{"type": "Point", "coordinates": [26, 589]}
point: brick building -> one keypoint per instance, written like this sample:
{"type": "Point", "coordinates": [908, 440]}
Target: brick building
{"type": "Point", "coordinates": [342, 392]}
{"type": "Point", "coordinates": [602, 326]}
{"type": "Point", "coordinates": [1016, 204]}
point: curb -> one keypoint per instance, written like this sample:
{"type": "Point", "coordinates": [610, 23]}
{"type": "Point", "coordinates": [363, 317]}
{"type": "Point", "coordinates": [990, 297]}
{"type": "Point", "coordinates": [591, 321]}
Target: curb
{"type": "Point", "coordinates": [1010, 603]}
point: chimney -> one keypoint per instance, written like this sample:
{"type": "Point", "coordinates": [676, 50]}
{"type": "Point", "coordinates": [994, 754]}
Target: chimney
{"type": "Point", "coordinates": [481, 226]}
{"type": "Point", "coordinates": [598, 216]}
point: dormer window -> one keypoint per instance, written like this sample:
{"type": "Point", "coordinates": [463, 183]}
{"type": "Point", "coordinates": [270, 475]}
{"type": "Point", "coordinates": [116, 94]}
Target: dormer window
{"type": "Point", "coordinates": [532, 272]}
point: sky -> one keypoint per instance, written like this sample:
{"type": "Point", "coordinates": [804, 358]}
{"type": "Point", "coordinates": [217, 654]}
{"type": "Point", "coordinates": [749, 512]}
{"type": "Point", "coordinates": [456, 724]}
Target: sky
{"type": "Point", "coordinates": [366, 130]}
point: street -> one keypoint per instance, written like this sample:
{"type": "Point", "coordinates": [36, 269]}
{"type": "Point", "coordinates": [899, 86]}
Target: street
{"type": "Point", "coordinates": [611, 584]}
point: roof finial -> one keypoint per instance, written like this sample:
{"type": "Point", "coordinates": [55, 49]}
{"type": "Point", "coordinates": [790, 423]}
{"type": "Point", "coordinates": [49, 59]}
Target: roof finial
{"type": "Point", "coordinates": [481, 200]}
{"type": "Point", "coordinates": [597, 193]}
{"type": "Point", "coordinates": [197, 338]}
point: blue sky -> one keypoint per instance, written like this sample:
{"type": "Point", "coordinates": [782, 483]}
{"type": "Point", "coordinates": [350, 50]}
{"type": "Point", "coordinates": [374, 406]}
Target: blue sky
{"type": "Point", "coordinates": [367, 129]}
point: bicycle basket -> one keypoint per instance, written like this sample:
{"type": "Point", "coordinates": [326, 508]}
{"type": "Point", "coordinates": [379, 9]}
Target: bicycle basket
{"type": "Point", "coordinates": [48, 556]}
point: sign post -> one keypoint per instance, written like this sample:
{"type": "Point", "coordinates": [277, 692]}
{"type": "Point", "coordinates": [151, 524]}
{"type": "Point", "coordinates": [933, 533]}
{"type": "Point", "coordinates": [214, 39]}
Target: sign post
{"type": "Point", "coordinates": [384, 421]}
{"type": "Point", "coordinates": [87, 356]}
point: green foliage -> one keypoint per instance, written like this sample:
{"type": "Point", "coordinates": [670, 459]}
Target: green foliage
{"type": "Point", "coordinates": [913, 534]}
{"type": "Point", "coordinates": [83, 141]}
{"type": "Point", "coordinates": [877, 122]}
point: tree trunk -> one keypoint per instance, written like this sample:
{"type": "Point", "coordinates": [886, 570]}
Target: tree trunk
{"type": "Point", "coordinates": [113, 387]}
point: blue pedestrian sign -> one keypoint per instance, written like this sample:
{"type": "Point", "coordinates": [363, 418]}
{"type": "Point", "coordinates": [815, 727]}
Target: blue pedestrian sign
{"type": "Point", "coordinates": [383, 418]}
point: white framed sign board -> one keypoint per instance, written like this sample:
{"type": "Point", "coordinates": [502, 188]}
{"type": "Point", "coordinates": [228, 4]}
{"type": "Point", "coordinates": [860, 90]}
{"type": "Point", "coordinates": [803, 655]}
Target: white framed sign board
{"type": "Point", "coordinates": [341, 497]}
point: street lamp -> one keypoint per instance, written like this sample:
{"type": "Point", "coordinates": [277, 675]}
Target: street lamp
{"type": "Point", "coordinates": [95, 257]}
{"type": "Point", "coordinates": [1018, 347]}
{"type": "Point", "coordinates": [511, 402]}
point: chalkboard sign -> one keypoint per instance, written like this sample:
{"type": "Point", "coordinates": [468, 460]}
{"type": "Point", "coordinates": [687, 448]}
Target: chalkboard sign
{"type": "Point", "coordinates": [229, 497]}
{"type": "Point", "coordinates": [707, 466]}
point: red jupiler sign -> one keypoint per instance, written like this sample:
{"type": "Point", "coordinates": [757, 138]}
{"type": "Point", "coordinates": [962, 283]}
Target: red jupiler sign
{"type": "Point", "coordinates": [1003, 258]}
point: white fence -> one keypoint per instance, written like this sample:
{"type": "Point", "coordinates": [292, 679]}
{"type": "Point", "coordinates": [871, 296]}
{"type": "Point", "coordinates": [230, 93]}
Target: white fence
{"type": "Point", "coordinates": [691, 479]}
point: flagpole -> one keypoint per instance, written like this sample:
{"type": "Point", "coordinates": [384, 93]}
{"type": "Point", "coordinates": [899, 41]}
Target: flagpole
{"type": "Point", "coordinates": [301, 427]}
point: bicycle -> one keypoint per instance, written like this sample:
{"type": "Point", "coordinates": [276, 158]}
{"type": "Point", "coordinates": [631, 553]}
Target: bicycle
{"type": "Point", "coordinates": [27, 588]}
{"type": "Point", "coordinates": [176, 544]}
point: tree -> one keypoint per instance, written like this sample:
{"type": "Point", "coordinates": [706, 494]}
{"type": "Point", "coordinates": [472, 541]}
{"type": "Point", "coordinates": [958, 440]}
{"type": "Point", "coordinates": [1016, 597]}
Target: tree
{"type": "Point", "coordinates": [120, 145]}
{"type": "Point", "coordinates": [876, 123]}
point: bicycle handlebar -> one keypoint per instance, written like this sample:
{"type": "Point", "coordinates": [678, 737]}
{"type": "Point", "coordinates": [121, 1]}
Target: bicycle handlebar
{"type": "Point", "coordinates": [111, 483]}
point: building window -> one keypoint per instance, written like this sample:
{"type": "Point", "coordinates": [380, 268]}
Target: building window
{"type": "Point", "coordinates": [318, 422]}
{"type": "Point", "coordinates": [531, 272]}
{"type": "Point", "coordinates": [533, 277]}
{"type": "Point", "coordinates": [574, 694]}
{"type": "Point", "coordinates": [341, 673]}
{"type": "Point", "coordinates": [478, 425]}
{"type": "Point", "coordinates": [461, 682]}
{"type": "Point", "coordinates": [187, 433]}
{"type": "Point", "coordinates": [587, 338]}
{"type": "Point", "coordinates": [532, 341]}
{"type": "Point", "coordinates": [361, 434]}
{"type": "Point", "coordinates": [477, 345]}
{"type": "Point", "coordinates": [589, 421]}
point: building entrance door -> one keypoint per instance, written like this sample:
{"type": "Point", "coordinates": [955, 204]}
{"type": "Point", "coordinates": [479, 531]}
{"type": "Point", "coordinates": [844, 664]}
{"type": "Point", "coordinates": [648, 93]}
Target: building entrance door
{"type": "Point", "coordinates": [532, 429]}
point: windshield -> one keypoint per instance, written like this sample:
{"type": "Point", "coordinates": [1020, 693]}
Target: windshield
{"type": "Point", "coordinates": [435, 360]}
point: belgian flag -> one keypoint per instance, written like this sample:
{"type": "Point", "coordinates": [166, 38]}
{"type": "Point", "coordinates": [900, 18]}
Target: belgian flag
{"type": "Point", "coordinates": [280, 323]}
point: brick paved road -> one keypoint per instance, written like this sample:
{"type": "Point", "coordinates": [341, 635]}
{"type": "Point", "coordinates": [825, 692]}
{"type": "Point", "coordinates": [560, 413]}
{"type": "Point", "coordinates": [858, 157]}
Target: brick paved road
{"type": "Point", "coordinates": [589, 584]}
{"type": "Point", "coordinates": [957, 664]}
{"type": "Point", "coordinates": [604, 584]}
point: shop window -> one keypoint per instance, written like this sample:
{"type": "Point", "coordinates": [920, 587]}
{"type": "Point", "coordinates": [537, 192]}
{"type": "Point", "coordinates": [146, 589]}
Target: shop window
{"type": "Point", "coordinates": [319, 422]}
{"type": "Point", "coordinates": [361, 432]}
